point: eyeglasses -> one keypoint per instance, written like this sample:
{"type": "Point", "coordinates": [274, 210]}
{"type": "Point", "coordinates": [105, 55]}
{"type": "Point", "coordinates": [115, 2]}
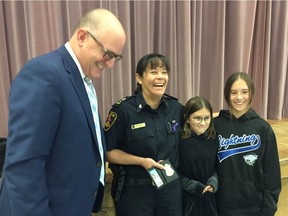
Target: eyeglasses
{"type": "Point", "coordinates": [108, 55]}
{"type": "Point", "coordinates": [198, 119]}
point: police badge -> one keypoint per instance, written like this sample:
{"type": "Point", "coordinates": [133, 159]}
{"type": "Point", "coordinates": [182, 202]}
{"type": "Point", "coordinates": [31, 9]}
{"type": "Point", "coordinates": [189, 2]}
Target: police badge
{"type": "Point", "coordinates": [161, 177]}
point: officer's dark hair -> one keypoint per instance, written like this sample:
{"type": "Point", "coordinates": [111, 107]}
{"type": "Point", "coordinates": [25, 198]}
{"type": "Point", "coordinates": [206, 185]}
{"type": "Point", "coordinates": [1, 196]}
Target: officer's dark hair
{"type": "Point", "coordinates": [154, 60]}
{"type": "Point", "coordinates": [193, 105]}
{"type": "Point", "coordinates": [233, 78]}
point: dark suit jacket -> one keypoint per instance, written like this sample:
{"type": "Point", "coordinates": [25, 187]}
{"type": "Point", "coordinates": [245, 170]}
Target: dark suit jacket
{"type": "Point", "coordinates": [52, 164]}
{"type": "Point", "coordinates": [2, 153]}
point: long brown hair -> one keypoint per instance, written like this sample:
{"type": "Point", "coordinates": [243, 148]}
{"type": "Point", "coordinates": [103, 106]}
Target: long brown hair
{"type": "Point", "coordinates": [193, 105]}
{"type": "Point", "coordinates": [234, 77]}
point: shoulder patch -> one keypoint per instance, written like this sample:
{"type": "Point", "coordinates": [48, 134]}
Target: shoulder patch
{"type": "Point", "coordinates": [110, 120]}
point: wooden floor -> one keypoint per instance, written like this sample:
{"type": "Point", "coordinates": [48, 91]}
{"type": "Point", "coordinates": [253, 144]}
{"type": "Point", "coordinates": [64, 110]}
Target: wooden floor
{"type": "Point", "coordinates": [281, 130]}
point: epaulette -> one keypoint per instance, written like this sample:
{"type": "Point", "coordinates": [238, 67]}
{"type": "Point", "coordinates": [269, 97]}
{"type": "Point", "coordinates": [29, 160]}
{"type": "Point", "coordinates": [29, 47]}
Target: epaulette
{"type": "Point", "coordinates": [169, 96]}
{"type": "Point", "coordinates": [121, 100]}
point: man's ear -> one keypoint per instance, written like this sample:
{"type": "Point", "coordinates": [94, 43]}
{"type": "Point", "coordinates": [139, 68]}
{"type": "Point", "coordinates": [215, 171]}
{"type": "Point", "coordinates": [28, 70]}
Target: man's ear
{"type": "Point", "coordinates": [82, 35]}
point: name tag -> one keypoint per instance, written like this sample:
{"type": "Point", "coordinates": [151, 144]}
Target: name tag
{"type": "Point", "coordinates": [140, 125]}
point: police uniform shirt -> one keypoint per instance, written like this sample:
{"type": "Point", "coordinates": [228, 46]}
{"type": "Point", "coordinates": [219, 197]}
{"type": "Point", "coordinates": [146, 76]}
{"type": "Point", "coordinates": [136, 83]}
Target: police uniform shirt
{"type": "Point", "coordinates": [134, 127]}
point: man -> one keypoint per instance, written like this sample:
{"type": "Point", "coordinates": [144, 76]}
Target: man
{"type": "Point", "coordinates": [2, 153]}
{"type": "Point", "coordinates": [55, 162]}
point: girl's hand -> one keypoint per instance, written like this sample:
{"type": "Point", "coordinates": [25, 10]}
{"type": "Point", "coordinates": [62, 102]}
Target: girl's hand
{"type": "Point", "coordinates": [208, 189]}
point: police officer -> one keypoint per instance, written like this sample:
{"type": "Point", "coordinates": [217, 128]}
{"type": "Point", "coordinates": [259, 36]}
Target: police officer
{"type": "Point", "coordinates": [141, 131]}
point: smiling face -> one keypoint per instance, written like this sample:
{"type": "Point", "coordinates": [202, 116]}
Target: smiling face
{"type": "Point", "coordinates": [91, 53]}
{"type": "Point", "coordinates": [97, 41]}
{"type": "Point", "coordinates": [154, 82]}
{"type": "Point", "coordinates": [239, 98]}
{"type": "Point", "coordinates": [199, 121]}
{"type": "Point", "coordinates": [238, 92]}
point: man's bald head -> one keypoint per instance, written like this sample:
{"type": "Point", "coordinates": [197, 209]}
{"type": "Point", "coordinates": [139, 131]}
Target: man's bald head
{"type": "Point", "coordinates": [100, 19]}
{"type": "Point", "coordinates": [98, 41]}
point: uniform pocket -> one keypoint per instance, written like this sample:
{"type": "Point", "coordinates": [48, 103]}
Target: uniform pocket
{"type": "Point", "coordinates": [173, 131]}
{"type": "Point", "coordinates": [140, 134]}
{"type": "Point", "coordinates": [141, 142]}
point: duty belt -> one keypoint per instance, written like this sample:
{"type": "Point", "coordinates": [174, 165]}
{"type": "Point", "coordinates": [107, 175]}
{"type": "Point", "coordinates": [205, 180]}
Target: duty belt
{"type": "Point", "coordinates": [138, 181]}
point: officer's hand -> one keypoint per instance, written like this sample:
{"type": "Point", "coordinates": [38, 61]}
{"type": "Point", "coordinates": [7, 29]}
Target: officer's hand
{"type": "Point", "coordinates": [149, 162]}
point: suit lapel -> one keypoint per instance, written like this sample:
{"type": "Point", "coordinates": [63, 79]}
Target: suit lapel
{"type": "Point", "coordinates": [77, 82]}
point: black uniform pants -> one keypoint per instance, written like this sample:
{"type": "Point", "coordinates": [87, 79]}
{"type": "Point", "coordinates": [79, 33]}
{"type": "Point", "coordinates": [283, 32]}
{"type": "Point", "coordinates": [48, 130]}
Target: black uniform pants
{"type": "Point", "coordinates": [147, 200]}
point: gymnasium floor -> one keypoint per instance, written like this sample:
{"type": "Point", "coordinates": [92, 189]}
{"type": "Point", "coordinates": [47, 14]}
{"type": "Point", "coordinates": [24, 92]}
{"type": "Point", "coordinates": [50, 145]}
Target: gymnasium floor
{"type": "Point", "coordinates": [281, 130]}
